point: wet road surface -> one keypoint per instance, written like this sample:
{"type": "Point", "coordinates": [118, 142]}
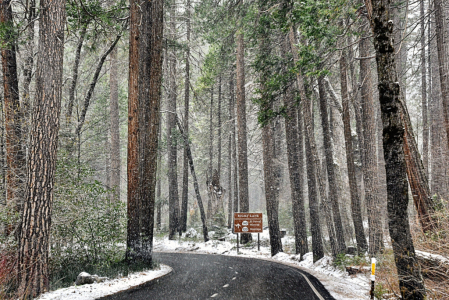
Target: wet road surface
{"type": "Point", "coordinates": [201, 276]}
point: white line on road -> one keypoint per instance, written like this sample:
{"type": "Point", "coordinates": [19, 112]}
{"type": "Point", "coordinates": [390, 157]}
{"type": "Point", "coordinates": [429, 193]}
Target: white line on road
{"type": "Point", "coordinates": [226, 285]}
{"type": "Point", "coordinates": [313, 288]}
{"type": "Point", "coordinates": [234, 278]}
{"type": "Point", "coordinates": [214, 295]}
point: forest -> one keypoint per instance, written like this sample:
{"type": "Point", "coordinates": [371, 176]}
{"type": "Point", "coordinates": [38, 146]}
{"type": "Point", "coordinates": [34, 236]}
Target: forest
{"type": "Point", "coordinates": [126, 120]}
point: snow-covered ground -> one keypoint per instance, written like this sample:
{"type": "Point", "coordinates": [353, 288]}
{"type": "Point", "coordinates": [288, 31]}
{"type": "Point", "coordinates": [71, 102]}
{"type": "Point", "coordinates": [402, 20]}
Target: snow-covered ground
{"type": "Point", "coordinates": [337, 282]}
{"type": "Point", "coordinates": [109, 287]}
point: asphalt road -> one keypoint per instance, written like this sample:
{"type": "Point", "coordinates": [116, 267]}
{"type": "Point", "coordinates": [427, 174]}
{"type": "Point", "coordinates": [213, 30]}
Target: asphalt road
{"type": "Point", "coordinates": [201, 276]}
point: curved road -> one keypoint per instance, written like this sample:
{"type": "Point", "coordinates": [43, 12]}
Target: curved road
{"type": "Point", "coordinates": [202, 276]}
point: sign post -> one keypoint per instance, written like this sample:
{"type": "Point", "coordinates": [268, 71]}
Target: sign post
{"type": "Point", "coordinates": [373, 276]}
{"type": "Point", "coordinates": [248, 223]}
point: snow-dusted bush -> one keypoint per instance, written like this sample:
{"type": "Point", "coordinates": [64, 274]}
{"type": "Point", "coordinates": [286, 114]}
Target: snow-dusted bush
{"type": "Point", "coordinates": [88, 228]}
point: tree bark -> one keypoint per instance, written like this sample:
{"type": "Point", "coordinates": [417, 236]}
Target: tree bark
{"type": "Point", "coordinates": [115, 128]}
{"type": "Point", "coordinates": [173, 196]}
{"type": "Point", "coordinates": [442, 59]}
{"type": "Point", "coordinates": [410, 280]}
{"type": "Point", "coordinates": [425, 133]}
{"type": "Point", "coordinates": [291, 136]}
{"type": "Point", "coordinates": [270, 197]}
{"type": "Point", "coordinates": [370, 170]}
{"type": "Point", "coordinates": [149, 99]}
{"type": "Point", "coordinates": [242, 133]}
{"type": "Point", "coordinates": [328, 151]}
{"type": "Point", "coordinates": [33, 248]}
{"type": "Point", "coordinates": [133, 203]}
{"type": "Point", "coordinates": [315, 227]}
{"type": "Point", "coordinates": [185, 170]}
{"type": "Point", "coordinates": [219, 128]}
{"type": "Point", "coordinates": [14, 121]}
{"type": "Point", "coordinates": [230, 157]}
{"type": "Point", "coordinates": [211, 156]}
{"type": "Point", "coordinates": [417, 178]}
{"type": "Point", "coordinates": [353, 189]}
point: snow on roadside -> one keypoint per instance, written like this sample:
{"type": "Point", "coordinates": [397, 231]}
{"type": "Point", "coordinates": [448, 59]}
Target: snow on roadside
{"type": "Point", "coordinates": [109, 287]}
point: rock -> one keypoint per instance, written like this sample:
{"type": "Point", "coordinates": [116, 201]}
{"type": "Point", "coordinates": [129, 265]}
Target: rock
{"type": "Point", "coordinates": [191, 233]}
{"type": "Point", "coordinates": [86, 278]}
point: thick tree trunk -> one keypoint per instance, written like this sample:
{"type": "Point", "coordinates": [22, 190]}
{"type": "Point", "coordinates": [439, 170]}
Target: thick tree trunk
{"type": "Point", "coordinates": [33, 249]}
{"type": "Point", "coordinates": [315, 227]}
{"type": "Point", "coordinates": [291, 136]}
{"type": "Point", "coordinates": [195, 181]}
{"type": "Point", "coordinates": [133, 212]}
{"type": "Point", "coordinates": [14, 121]}
{"type": "Point", "coordinates": [370, 170]}
{"type": "Point", "coordinates": [410, 280]}
{"type": "Point", "coordinates": [185, 169]}
{"type": "Point", "coordinates": [329, 151]}
{"type": "Point", "coordinates": [242, 133]}
{"type": "Point", "coordinates": [149, 82]}
{"type": "Point", "coordinates": [115, 128]}
{"type": "Point", "coordinates": [353, 189]}
{"type": "Point", "coordinates": [173, 196]}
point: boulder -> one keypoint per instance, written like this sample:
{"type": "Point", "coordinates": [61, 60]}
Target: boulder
{"type": "Point", "coordinates": [86, 278]}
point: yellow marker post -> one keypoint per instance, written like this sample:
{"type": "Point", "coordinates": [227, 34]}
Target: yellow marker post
{"type": "Point", "coordinates": [373, 276]}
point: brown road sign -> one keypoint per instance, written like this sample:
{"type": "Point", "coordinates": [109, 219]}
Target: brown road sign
{"type": "Point", "coordinates": [248, 223]}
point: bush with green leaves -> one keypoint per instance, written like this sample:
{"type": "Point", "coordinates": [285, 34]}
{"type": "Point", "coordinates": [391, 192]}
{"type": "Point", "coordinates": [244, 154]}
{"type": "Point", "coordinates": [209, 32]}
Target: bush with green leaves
{"type": "Point", "coordinates": [88, 228]}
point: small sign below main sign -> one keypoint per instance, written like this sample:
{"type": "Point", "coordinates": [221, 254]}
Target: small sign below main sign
{"type": "Point", "coordinates": [248, 223]}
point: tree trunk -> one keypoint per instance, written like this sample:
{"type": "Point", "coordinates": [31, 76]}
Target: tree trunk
{"type": "Point", "coordinates": [115, 128]}
{"type": "Point", "coordinates": [241, 125]}
{"type": "Point", "coordinates": [185, 170]}
{"type": "Point", "coordinates": [315, 227]}
{"type": "Point", "coordinates": [425, 123]}
{"type": "Point", "coordinates": [442, 59]}
{"type": "Point", "coordinates": [195, 181]}
{"type": "Point", "coordinates": [230, 157]}
{"type": "Point", "coordinates": [291, 136]}
{"type": "Point", "coordinates": [370, 170]}
{"type": "Point", "coordinates": [133, 203]}
{"type": "Point", "coordinates": [234, 146]}
{"type": "Point", "coordinates": [74, 81]}
{"type": "Point", "coordinates": [173, 197]}
{"type": "Point", "coordinates": [211, 156]}
{"type": "Point", "coordinates": [329, 151]}
{"type": "Point", "coordinates": [92, 85]}
{"type": "Point", "coordinates": [33, 248]}
{"type": "Point", "coordinates": [15, 157]}
{"type": "Point", "coordinates": [417, 177]}
{"type": "Point", "coordinates": [219, 128]}
{"type": "Point", "coordinates": [270, 197]}
{"type": "Point", "coordinates": [353, 189]}
{"type": "Point", "coordinates": [410, 280]}
{"type": "Point", "coordinates": [149, 88]}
